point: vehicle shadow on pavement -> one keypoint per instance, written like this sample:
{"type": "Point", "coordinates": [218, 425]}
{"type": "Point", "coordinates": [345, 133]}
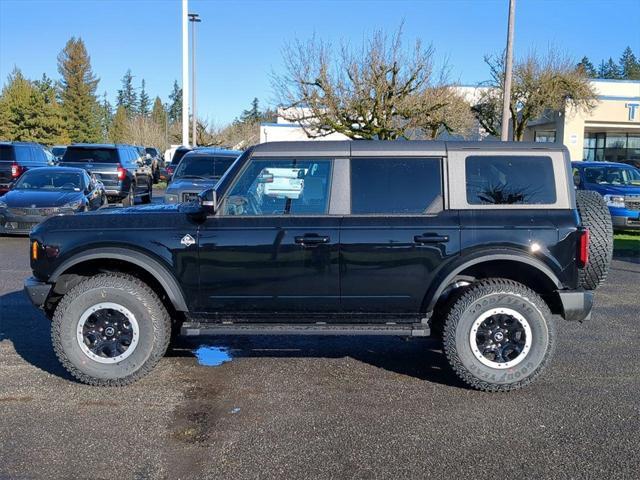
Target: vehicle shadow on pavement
{"type": "Point", "coordinates": [28, 330]}
{"type": "Point", "coordinates": [417, 357]}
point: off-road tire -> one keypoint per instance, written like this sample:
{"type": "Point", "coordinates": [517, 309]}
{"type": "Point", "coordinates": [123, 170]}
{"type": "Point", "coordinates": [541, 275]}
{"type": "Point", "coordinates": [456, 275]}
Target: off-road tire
{"type": "Point", "coordinates": [595, 215]}
{"type": "Point", "coordinates": [130, 292]}
{"type": "Point", "coordinates": [482, 297]}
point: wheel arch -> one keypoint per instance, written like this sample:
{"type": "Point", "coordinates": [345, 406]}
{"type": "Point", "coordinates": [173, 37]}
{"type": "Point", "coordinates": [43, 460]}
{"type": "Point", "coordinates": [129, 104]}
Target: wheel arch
{"type": "Point", "coordinates": [137, 260]}
{"type": "Point", "coordinates": [543, 279]}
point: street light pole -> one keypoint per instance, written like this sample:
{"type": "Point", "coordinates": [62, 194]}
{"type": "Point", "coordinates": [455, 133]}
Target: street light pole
{"type": "Point", "coordinates": [193, 18]}
{"type": "Point", "coordinates": [508, 69]}
{"type": "Point", "coordinates": [185, 73]}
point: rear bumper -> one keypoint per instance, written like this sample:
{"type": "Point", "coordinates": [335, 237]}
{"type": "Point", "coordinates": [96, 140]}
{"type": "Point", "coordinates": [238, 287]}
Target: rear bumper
{"type": "Point", "coordinates": [576, 304]}
{"type": "Point", "coordinates": [37, 291]}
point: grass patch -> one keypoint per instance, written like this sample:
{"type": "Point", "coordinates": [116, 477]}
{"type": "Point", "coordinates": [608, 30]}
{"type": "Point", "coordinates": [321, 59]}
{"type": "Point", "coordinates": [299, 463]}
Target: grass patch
{"type": "Point", "coordinates": [628, 243]}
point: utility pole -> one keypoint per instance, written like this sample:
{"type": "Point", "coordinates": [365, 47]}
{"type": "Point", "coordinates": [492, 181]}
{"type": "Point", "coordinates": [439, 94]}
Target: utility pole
{"type": "Point", "coordinates": [193, 18]}
{"type": "Point", "coordinates": [508, 69]}
{"type": "Point", "coordinates": [185, 73]}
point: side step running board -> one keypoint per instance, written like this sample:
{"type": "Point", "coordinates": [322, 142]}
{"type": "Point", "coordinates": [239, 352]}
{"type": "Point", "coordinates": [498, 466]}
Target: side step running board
{"type": "Point", "coordinates": [399, 330]}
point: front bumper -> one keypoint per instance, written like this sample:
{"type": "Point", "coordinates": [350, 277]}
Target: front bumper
{"type": "Point", "coordinates": [626, 222]}
{"type": "Point", "coordinates": [18, 225]}
{"type": "Point", "coordinates": [37, 291]}
{"type": "Point", "coordinates": [576, 304]}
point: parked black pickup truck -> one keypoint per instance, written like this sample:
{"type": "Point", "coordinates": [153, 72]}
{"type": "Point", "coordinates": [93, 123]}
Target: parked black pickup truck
{"type": "Point", "coordinates": [120, 168]}
{"type": "Point", "coordinates": [475, 243]}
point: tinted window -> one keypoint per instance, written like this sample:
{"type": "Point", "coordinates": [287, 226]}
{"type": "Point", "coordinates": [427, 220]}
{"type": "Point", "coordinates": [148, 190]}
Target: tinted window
{"type": "Point", "coordinates": [205, 166]}
{"type": "Point", "coordinates": [57, 151]}
{"type": "Point", "coordinates": [22, 153]}
{"type": "Point", "coordinates": [281, 187]}
{"type": "Point", "coordinates": [6, 152]}
{"type": "Point", "coordinates": [396, 186]}
{"type": "Point", "coordinates": [90, 155]}
{"type": "Point", "coordinates": [507, 179]}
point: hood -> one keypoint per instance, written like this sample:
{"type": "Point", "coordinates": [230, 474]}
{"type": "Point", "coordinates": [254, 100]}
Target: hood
{"type": "Point", "coordinates": [159, 216]}
{"type": "Point", "coordinates": [617, 189]}
{"type": "Point", "coordinates": [40, 198]}
{"type": "Point", "coordinates": [191, 184]}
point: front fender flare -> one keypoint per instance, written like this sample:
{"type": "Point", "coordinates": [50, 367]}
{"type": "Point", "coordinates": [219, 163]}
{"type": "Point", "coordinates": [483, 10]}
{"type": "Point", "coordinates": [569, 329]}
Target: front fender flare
{"type": "Point", "coordinates": [140, 259]}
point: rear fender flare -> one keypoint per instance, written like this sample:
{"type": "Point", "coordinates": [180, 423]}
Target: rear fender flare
{"type": "Point", "coordinates": [436, 291]}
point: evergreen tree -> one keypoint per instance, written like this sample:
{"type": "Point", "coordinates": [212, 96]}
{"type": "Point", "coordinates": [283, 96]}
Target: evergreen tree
{"type": "Point", "coordinates": [106, 117]}
{"type": "Point", "coordinates": [608, 70]}
{"type": "Point", "coordinates": [159, 114]}
{"type": "Point", "coordinates": [629, 65]}
{"type": "Point", "coordinates": [587, 67]}
{"type": "Point", "coordinates": [78, 92]}
{"type": "Point", "coordinates": [252, 115]}
{"type": "Point", "coordinates": [175, 103]}
{"type": "Point", "coordinates": [144, 105]}
{"type": "Point", "coordinates": [127, 96]}
{"type": "Point", "coordinates": [120, 126]}
{"type": "Point", "coordinates": [30, 112]}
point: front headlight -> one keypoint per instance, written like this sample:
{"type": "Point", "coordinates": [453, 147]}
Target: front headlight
{"type": "Point", "coordinates": [616, 201]}
{"type": "Point", "coordinates": [73, 205]}
{"type": "Point", "coordinates": [169, 198]}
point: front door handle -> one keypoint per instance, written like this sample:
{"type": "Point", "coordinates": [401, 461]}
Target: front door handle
{"type": "Point", "coordinates": [312, 239]}
{"type": "Point", "coordinates": [431, 238]}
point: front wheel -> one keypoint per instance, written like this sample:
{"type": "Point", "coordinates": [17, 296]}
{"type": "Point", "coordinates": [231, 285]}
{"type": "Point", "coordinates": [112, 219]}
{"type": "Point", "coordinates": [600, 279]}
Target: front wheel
{"type": "Point", "coordinates": [110, 330]}
{"type": "Point", "coordinates": [499, 335]}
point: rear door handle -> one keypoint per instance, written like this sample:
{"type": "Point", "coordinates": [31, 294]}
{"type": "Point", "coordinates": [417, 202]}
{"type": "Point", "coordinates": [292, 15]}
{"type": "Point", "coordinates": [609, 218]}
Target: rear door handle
{"type": "Point", "coordinates": [312, 239]}
{"type": "Point", "coordinates": [431, 238]}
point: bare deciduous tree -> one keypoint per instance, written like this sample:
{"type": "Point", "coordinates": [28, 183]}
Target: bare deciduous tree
{"type": "Point", "coordinates": [380, 91]}
{"type": "Point", "coordinates": [541, 84]}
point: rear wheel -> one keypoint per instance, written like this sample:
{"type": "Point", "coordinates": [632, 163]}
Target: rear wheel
{"type": "Point", "coordinates": [130, 199]}
{"type": "Point", "coordinates": [147, 197]}
{"type": "Point", "coordinates": [110, 330]}
{"type": "Point", "coordinates": [499, 335]}
{"type": "Point", "coordinates": [595, 215]}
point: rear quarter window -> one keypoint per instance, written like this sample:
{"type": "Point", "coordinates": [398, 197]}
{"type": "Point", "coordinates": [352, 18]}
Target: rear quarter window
{"type": "Point", "coordinates": [396, 186]}
{"type": "Point", "coordinates": [6, 153]}
{"type": "Point", "coordinates": [510, 180]}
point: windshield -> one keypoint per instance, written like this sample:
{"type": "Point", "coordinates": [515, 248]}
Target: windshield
{"type": "Point", "coordinates": [91, 155]}
{"type": "Point", "coordinates": [58, 151]}
{"type": "Point", "coordinates": [612, 175]}
{"type": "Point", "coordinates": [151, 151]}
{"type": "Point", "coordinates": [47, 180]}
{"type": "Point", "coordinates": [201, 166]}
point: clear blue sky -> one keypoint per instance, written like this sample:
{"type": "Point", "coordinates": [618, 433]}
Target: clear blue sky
{"type": "Point", "coordinates": [240, 41]}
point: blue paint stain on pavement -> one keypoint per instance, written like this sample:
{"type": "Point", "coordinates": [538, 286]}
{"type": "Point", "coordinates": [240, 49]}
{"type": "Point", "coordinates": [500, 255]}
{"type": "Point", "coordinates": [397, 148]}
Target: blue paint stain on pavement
{"type": "Point", "coordinates": [212, 356]}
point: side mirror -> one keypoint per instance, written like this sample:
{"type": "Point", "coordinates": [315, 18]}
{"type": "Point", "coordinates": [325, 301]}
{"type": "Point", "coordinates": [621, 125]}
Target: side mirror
{"type": "Point", "coordinates": [148, 156]}
{"type": "Point", "coordinates": [208, 201]}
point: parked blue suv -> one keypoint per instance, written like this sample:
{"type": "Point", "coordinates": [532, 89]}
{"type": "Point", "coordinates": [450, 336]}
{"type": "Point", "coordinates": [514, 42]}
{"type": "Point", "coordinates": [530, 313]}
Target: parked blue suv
{"type": "Point", "coordinates": [618, 183]}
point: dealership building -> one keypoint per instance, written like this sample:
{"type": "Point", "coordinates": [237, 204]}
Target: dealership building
{"type": "Point", "coordinates": [610, 131]}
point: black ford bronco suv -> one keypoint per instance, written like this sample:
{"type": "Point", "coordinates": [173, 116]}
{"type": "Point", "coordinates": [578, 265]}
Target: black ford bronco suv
{"type": "Point", "coordinates": [478, 244]}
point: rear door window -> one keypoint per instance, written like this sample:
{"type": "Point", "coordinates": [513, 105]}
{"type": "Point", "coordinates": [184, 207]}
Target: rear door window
{"type": "Point", "coordinates": [396, 186]}
{"type": "Point", "coordinates": [510, 180]}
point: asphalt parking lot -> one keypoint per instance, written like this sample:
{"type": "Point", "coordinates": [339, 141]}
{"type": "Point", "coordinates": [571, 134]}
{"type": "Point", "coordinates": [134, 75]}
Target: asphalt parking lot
{"type": "Point", "coordinates": [322, 407]}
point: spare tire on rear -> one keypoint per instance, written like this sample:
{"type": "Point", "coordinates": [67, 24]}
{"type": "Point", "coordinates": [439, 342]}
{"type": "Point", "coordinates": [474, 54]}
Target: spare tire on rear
{"type": "Point", "coordinates": [595, 215]}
